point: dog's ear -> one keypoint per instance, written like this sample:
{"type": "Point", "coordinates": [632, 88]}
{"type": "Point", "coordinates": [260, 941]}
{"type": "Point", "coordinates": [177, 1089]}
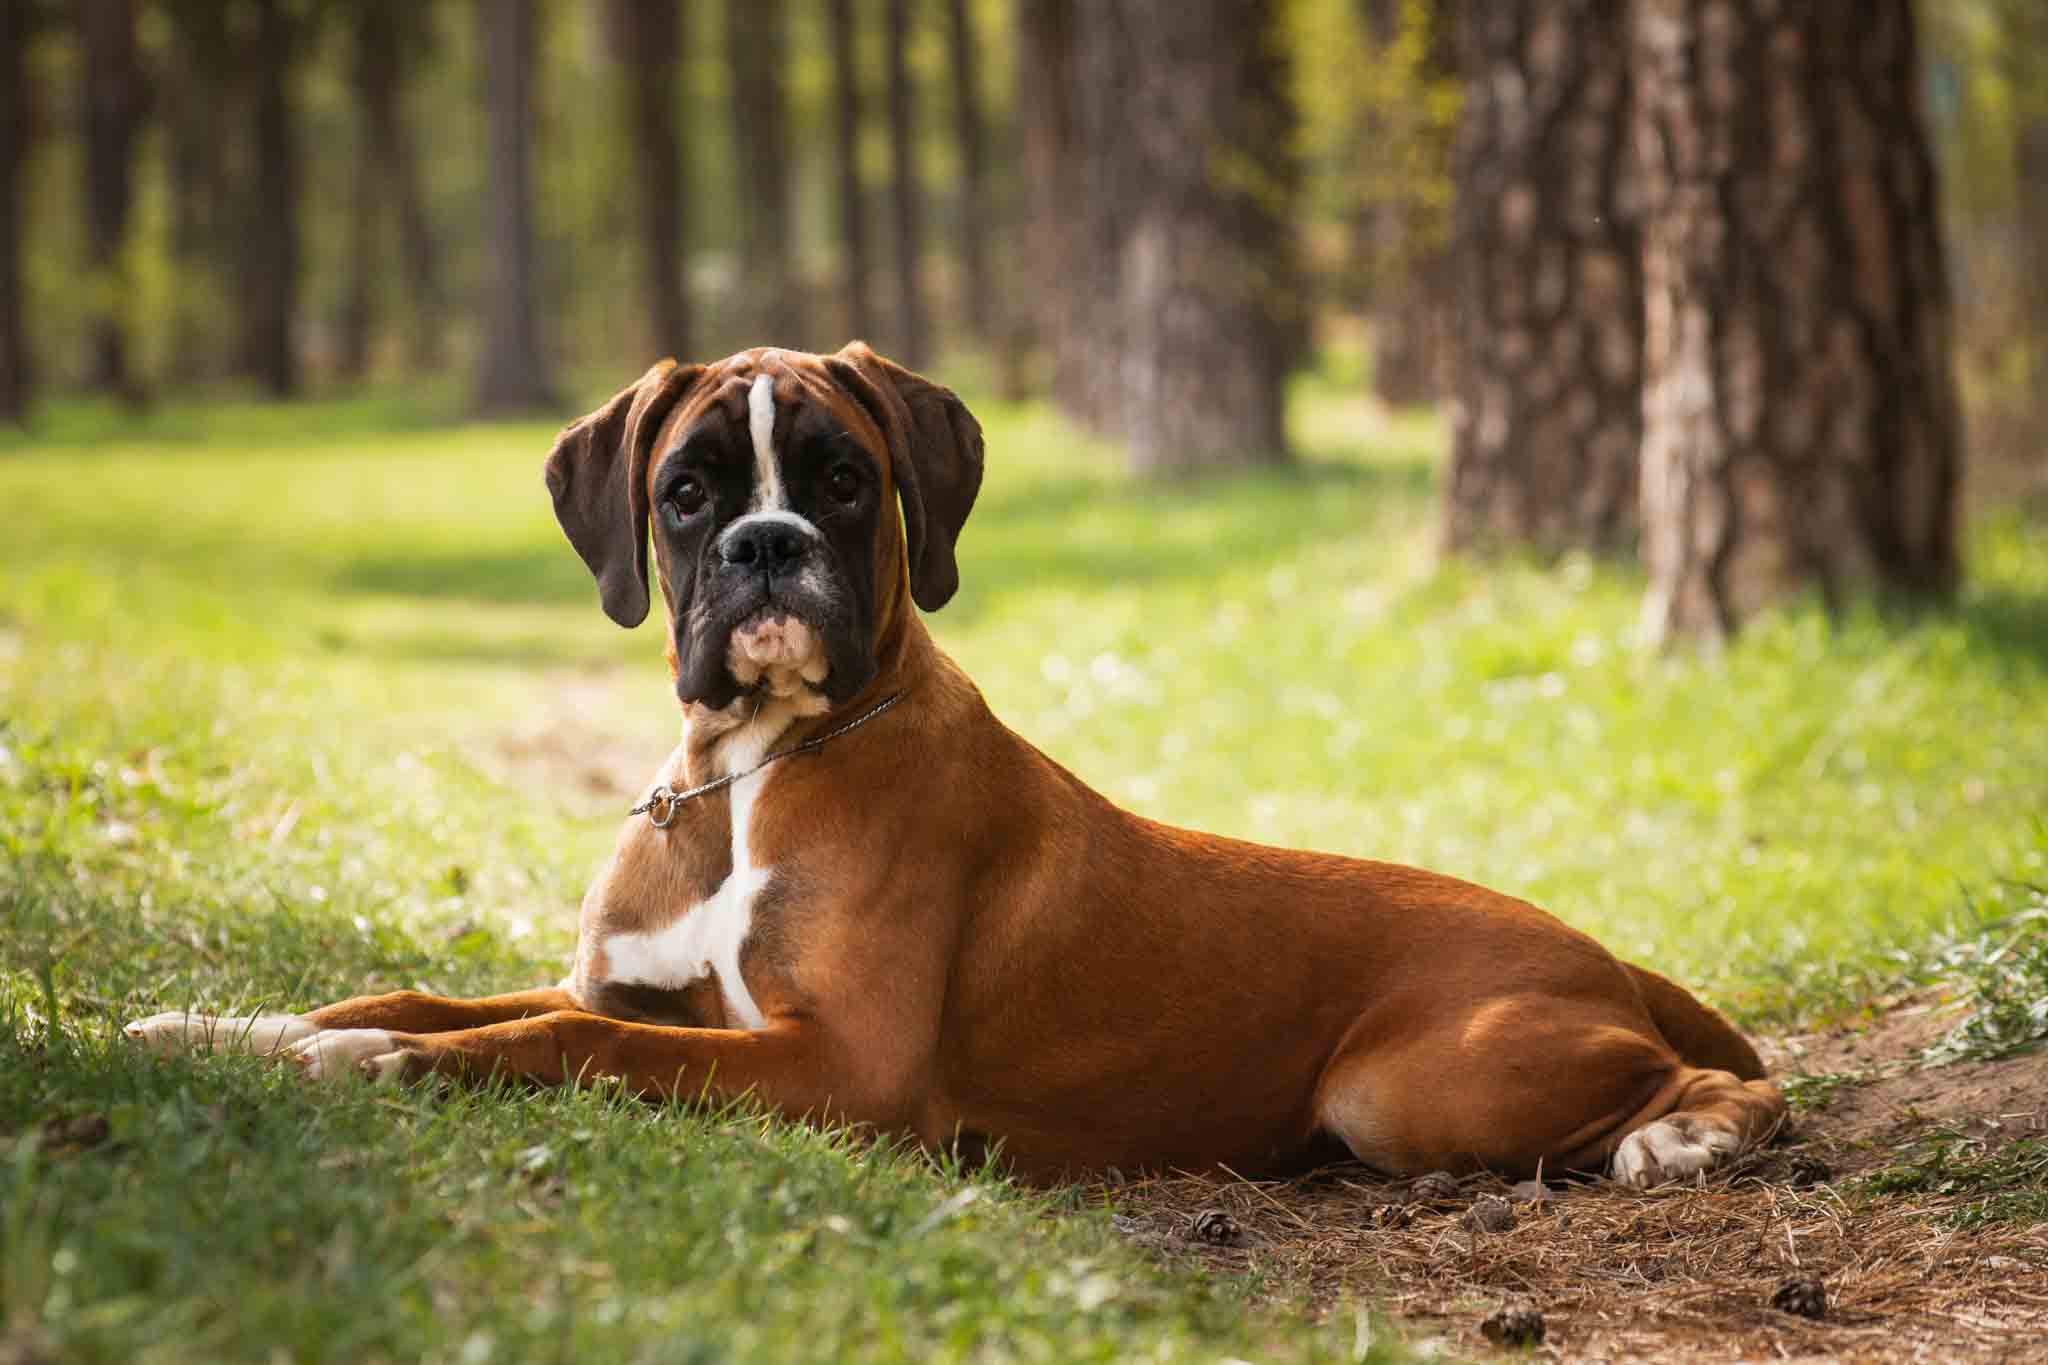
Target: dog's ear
{"type": "Point", "coordinates": [934, 454]}
{"type": "Point", "coordinates": [597, 475]}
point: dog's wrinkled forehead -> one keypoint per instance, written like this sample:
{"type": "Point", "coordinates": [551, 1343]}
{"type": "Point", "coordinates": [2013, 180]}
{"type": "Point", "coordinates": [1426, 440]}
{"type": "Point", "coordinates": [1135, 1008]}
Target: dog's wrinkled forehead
{"type": "Point", "coordinates": [764, 402]}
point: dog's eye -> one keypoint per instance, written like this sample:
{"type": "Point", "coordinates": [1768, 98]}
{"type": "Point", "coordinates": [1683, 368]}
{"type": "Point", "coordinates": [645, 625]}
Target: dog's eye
{"type": "Point", "coordinates": [686, 498]}
{"type": "Point", "coordinates": [843, 482]}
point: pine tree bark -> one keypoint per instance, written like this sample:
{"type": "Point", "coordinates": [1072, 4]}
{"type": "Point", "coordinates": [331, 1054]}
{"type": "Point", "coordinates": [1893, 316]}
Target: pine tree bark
{"type": "Point", "coordinates": [1045, 101]}
{"type": "Point", "coordinates": [113, 105]}
{"type": "Point", "coordinates": [513, 376]}
{"type": "Point", "coordinates": [270, 262]}
{"type": "Point", "coordinates": [1193, 136]}
{"type": "Point", "coordinates": [1548, 416]}
{"type": "Point", "coordinates": [756, 39]}
{"type": "Point", "coordinates": [1801, 424]}
{"type": "Point", "coordinates": [14, 149]}
{"type": "Point", "coordinates": [912, 342]}
{"type": "Point", "coordinates": [647, 38]}
{"type": "Point", "coordinates": [1104, 192]}
{"type": "Point", "coordinates": [971, 138]}
{"type": "Point", "coordinates": [856, 264]}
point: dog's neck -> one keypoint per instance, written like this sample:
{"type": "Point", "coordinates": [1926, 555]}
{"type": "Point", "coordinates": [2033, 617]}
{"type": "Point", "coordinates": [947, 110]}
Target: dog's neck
{"type": "Point", "coordinates": [731, 739]}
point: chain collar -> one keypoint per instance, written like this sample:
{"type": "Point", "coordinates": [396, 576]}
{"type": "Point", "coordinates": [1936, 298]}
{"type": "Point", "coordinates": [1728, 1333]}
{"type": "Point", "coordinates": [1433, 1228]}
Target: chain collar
{"type": "Point", "coordinates": [661, 803]}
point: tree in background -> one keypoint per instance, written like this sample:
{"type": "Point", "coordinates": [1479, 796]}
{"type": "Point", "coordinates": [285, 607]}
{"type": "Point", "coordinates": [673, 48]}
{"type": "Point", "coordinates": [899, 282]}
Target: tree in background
{"type": "Point", "coordinates": [1046, 99]}
{"type": "Point", "coordinates": [1800, 411]}
{"type": "Point", "coordinates": [1550, 317]}
{"type": "Point", "coordinates": [912, 343]}
{"type": "Point", "coordinates": [512, 375]}
{"type": "Point", "coordinates": [1189, 310]}
{"type": "Point", "coordinates": [269, 265]}
{"type": "Point", "coordinates": [646, 40]}
{"type": "Point", "coordinates": [969, 133]}
{"type": "Point", "coordinates": [847, 121]}
{"type": "Point", "coordinates": [756, 44]}
{"type": "Point", "coordinates": [17, 22]}
{"type": "Point", "coordinates": [112, 98]}
{"type": "Point", "coordinates": [388, 44]}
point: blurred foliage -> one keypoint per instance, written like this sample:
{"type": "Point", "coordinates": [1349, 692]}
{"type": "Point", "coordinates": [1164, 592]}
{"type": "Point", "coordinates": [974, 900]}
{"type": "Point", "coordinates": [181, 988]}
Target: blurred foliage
{"type": "Point", "coordinates": [583, 159]}
{"type": "Point", "coordinates": [1378, 95]}
{"type": "Point", "coordinates": [1987, 83]}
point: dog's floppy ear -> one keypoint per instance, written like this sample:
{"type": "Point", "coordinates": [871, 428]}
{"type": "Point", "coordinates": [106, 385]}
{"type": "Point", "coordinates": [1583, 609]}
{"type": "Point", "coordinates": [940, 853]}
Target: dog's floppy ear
{"type": "Point", "coordinates": [934, 454]}
{"type": "Point", "coordinates": [597, 474]}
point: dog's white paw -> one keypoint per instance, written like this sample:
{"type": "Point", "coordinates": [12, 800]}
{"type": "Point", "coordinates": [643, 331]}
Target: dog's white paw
{"type": "Point", "coordinates": [1671, 1149]}
{"type": "Point", "coordinates": [369, 1052]}
{"type": "Point", "coordinates": [262, 1034]}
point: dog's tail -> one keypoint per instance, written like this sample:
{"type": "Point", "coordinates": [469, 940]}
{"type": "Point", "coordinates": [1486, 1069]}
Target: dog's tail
{"type": "Point", "coordinates": [1699, 1035]}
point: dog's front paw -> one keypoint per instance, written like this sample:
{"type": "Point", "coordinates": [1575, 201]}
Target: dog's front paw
{"type": "Point", "coordinates": [178, 1031]}
{"type": "Point", "coordinates": [1671, 1149]}
{"type": "Point", "coordinates": [373, 1053]}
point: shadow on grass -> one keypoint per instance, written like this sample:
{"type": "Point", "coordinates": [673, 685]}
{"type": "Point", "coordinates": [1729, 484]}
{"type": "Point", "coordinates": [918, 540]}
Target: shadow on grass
{"type": "Point", "coordinates": [2007, 626]}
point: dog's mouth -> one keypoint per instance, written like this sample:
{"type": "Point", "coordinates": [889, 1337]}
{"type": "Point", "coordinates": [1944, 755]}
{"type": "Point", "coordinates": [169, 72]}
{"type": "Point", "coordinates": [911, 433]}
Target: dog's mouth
{"type": "Point", "coordinates": [775, 651]}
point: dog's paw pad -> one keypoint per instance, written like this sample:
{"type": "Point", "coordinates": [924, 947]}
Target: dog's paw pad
{"type": "Point", "coordinates": [336, 1052]}
{"type": "Point", "coordinates": [1671, 1149]}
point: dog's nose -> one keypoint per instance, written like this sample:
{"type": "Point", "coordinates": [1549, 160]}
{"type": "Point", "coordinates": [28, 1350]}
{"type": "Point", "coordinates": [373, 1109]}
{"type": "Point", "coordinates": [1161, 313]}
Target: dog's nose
{"type": "Point", "coordinates": [764, 545]}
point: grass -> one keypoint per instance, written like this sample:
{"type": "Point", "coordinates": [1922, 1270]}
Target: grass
{"type": "Point", "coordinates": [1999, 958]}
{"type": "Point", "coordinates": [2002, 1184]}
{"type": "Point", "coordinates": [258, 670]}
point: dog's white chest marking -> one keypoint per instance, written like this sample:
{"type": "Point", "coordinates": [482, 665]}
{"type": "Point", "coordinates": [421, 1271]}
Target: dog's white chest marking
{"type": "Point", "coordinates": [769, 493]}
{"type": "Point", "coordinates": [706, 941]}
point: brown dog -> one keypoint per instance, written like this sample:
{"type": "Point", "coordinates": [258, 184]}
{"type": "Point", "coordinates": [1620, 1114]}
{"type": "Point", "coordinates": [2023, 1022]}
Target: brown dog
{"type": "Point", "coordinates": [920, 923]}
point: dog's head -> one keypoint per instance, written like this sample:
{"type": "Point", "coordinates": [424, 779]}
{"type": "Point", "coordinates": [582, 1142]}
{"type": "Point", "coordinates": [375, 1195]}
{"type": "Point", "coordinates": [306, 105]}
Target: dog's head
{"type": "Point", "coordinates": [770, 483]}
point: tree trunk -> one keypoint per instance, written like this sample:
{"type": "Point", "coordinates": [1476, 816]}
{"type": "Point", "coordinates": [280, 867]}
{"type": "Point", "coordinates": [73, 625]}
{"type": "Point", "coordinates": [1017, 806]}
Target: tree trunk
{"type": "Point", "coordinates": [756, 37]}
{"type": "Point", "coordinates": [112, 101]}
{"type": "Point", "coordinates": [647, 41]}
{"type": "Point", "coordinates": [1548, 417]}
{"type": "Point", "coordinates": [512, 376]}
{"type": "Point", "coordinates": [391, 40]}
{"type": "Point", "coordinates": [971, 138]}
{"type": "Point", "coordinates": [270, 260]}
{"type": "Point", "coordinates": [359, 297]}
{"type": "Point", "coordinates": [912, 343]}
{"type": "Point", "coordinates": [1800, 411]}
{"type": "Point", "coordinates": [1045, 104]}
{"type": "Point", "coordinates": [1198, 154]}
{"type": "Point", "coordinates": [1089, 344]}
{"type": "Point", "coordinates": [847, 121]}
{"type": "Point", "coordinates": [14, 148]}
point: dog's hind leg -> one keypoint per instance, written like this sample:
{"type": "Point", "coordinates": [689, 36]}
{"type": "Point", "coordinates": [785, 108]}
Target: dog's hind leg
{"type": "Point", "coordinates": [1516, 1083]}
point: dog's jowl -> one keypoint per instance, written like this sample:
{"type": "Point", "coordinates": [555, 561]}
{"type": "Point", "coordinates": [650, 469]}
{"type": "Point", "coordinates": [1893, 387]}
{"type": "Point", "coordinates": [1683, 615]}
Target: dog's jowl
{"type": "Point", "coordinates": [855, 893]}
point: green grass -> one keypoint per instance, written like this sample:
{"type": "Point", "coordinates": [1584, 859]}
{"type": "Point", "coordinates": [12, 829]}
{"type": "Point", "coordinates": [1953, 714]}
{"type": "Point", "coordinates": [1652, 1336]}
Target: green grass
{"type": "Point", "coordinates": [258, 670]}
{"type": "Point", "coordinates": [2001, 1184]}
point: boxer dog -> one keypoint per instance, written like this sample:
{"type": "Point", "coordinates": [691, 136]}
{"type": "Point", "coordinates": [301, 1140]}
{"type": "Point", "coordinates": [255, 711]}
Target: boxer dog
{"type": "Point", "coordinates": [857, 896]}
